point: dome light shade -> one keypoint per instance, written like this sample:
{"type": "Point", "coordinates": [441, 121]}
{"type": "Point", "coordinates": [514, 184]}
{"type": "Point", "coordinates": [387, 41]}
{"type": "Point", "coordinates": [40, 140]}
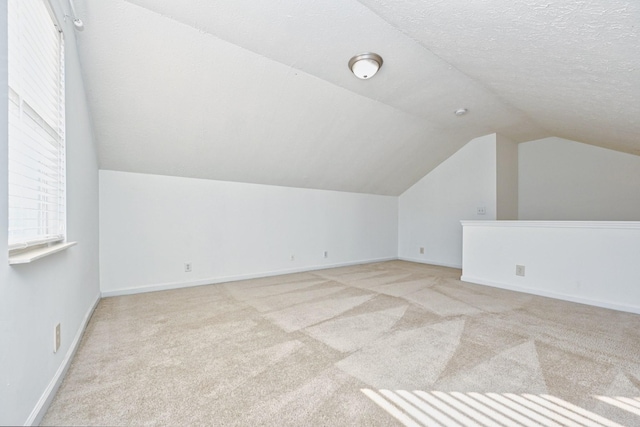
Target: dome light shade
{"type": "Point", "coordinates": [365, 65]}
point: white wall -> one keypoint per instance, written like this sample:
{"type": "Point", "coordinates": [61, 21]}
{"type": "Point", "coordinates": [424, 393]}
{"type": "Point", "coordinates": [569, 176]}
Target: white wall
{"type": "Point", "coordinates": [430, 211]}
{"type": "Point", "coordinates": [567, 180]}
{"type": "Point", "coordinates": [60, 288]}
{"type": "Point", "coordinates": [150, 225]}
{"type": "Point", "coordinates": [589, 262]}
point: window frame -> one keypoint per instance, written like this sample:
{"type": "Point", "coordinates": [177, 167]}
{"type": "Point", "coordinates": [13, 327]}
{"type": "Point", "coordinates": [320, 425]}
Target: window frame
{"type": "Point", "coordinates": [49, 238]}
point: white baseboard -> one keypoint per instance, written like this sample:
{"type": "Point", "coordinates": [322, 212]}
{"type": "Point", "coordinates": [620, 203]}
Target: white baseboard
{"type": "Point", "coordinates": [551, 294]}
{"type": "Point", "coordinates": [430, 262]}
{"type": "Point", "coordinates": [224, 279]}
{"type": "Point", "coordinates": [49, 393]}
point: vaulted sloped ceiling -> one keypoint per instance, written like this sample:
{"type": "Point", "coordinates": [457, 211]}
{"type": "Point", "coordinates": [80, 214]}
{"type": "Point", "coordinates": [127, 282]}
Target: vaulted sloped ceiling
{"type": "Point", "coordinates": [260, 92]}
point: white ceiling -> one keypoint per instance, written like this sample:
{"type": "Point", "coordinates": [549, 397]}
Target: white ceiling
{"type": "Point", "coordinates": [260, 91]}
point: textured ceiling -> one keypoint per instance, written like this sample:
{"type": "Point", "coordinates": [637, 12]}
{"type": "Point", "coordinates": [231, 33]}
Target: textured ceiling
{"type": "Point", "coordinates": [260, 91]}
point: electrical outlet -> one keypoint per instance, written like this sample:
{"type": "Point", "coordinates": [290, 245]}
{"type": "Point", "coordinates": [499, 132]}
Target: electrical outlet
{"type": "Point", "coordinates": [520, 270]}
{"type": "Point", "coordinates": [293, 258]}
{"type": "Point", "coordinates": [481, 210]}
{"type": "Point", "coordinates": [56, 338]}
{"type": "Point", "coordinates": [421, 250]}
{"type": "Point", "coordinates": [326, 254]}
{"type": "Point", "coordinates": [187, 267]}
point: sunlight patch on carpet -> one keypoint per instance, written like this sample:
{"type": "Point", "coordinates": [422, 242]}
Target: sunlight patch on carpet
{"type": "Point", "coordinates": [456, 409]}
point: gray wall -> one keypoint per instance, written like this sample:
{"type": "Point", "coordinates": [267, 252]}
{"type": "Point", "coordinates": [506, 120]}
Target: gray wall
{"type": "Point", "coordinates": [60, 288]}
{"type": "Point", "coordinates": [561, 179]}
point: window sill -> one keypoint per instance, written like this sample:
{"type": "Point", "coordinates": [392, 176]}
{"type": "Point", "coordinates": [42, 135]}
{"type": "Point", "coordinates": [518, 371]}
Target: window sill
{"type": "Point", "coordinates": [37, 253]}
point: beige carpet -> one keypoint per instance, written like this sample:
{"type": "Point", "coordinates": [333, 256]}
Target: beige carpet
{"type": "Point", "coordinates": [381, 344]}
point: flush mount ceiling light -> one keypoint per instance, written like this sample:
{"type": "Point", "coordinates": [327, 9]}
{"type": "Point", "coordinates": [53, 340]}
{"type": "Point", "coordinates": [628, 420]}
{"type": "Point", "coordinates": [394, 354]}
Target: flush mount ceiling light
{"type": "Point", "coordinates": [461, 111]}
{"type": "Point", "coordinates": [365, 65]}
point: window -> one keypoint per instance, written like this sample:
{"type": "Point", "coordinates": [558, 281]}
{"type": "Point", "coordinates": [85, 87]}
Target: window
{"type": "Point", "coordinates": [36, 126]}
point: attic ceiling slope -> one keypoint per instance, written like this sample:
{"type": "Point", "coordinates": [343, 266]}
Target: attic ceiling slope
{"type": "Point", "coordinates": [180, 102]}
{"type": "Point", "coordinates": [572, 66]}
{"type": "Point", "coordinates": [260, 92]}
{"type": "Point", "coordinates": [170, 96]}
{"type": "Point", "coordinates": [320, 37]}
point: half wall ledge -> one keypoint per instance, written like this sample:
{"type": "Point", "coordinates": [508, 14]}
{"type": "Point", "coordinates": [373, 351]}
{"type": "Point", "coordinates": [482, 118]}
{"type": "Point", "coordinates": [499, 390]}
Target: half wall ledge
{"type": "Point", "coordinates": [590, 262]}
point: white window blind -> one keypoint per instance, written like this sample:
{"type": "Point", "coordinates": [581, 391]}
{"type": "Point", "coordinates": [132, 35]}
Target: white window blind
{"type": "Point", "coordinates": [36, 125]}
